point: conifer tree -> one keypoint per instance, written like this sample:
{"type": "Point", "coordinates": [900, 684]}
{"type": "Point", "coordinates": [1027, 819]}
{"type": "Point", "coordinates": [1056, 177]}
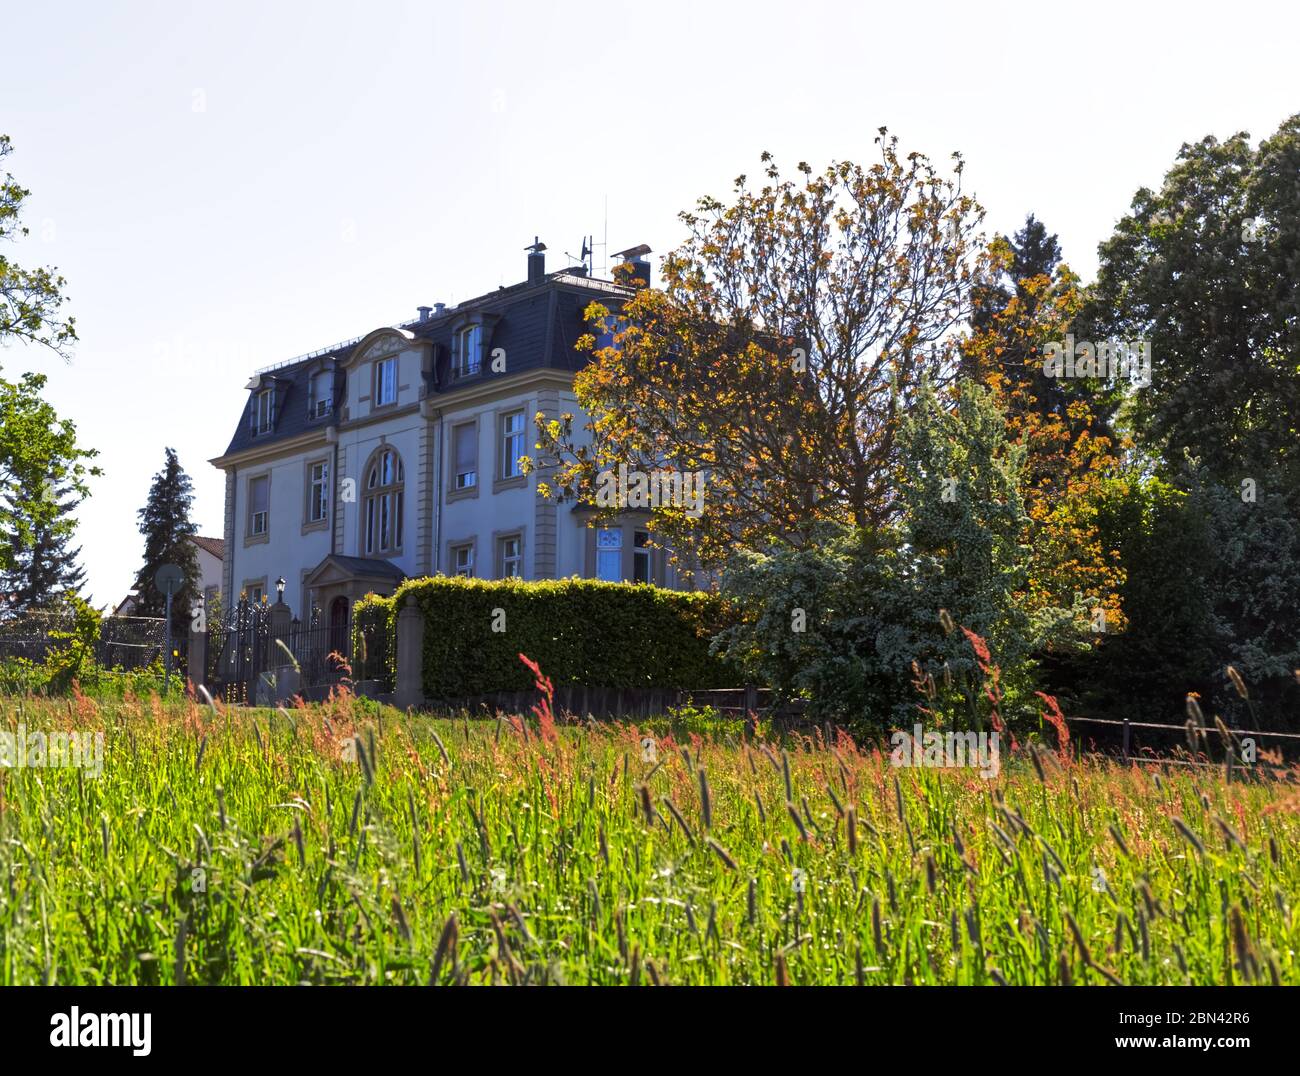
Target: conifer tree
{"type": "Point", "coordinates": [167, 529]}
{"type": "Point", "coordinates": [44, 569]}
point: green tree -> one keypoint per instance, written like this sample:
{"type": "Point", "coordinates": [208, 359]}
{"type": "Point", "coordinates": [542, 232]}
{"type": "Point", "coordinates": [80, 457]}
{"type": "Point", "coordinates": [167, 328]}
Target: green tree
{"type": "Point", "coordinates": [967, 533]}
{"type": "Point", "coordinates": [31, 300]}
{"type": "Point", "coordinates": [167, 529]}
{"type": "Point", "coordinates": [39, 454]}
{"type": "Point", "coordinates": [40, 462]}
{"type": "Point", "coordinates": [1208, 269]}
{"type": "Point", "coordinates": [45, 570]}
{"type": "Point", "coordinates": [842, 622]}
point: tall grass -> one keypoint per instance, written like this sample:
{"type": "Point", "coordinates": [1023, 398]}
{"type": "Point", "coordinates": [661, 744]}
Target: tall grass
{"type": "Point", "coordinates": [342, 844]}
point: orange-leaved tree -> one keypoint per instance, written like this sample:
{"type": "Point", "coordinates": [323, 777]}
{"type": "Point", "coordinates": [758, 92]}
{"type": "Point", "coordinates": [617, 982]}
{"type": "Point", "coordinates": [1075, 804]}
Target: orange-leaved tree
{"type": "Point", "coordinates": [1064, 424]}
{"type": "Point", "coordinates": [792, 331]}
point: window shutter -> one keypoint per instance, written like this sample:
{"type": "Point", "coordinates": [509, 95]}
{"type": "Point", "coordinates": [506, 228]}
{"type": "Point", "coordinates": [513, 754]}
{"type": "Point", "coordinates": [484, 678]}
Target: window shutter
{"type": "Point", "coordinates": [465, 446]}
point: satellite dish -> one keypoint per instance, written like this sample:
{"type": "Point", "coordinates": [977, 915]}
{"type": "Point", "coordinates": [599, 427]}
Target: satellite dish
{"type": "Point", "coordinates": [169, 579]}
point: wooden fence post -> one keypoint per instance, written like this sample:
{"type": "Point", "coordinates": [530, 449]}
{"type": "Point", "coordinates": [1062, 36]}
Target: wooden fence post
{"type": "Point", "coordinates": [1126, 739]}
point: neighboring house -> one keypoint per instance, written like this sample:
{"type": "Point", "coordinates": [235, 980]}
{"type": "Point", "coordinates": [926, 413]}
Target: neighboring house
{"type": "Point", "coordinates": [396, 455]}
{"type": "Point", "coordinates": [211, 552]}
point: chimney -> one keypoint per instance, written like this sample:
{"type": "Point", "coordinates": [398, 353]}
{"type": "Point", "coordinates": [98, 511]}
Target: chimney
{"type": "Point", "coordinates": [536, 261]}
{"type": "Point", "coordinates": [438, 309]}
{"type": "Point", "coordinates": [633, 266]}
{"type": "Point", "coordinates": [424, 312]}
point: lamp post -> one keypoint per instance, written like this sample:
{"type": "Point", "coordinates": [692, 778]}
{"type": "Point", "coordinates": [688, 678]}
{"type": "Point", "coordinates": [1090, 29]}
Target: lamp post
{"type": "Point", "coordinates": [279, 589]}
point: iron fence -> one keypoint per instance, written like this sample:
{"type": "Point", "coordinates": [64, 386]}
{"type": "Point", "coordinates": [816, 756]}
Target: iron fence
{"type": "Point", "coordinates": [124, 642]}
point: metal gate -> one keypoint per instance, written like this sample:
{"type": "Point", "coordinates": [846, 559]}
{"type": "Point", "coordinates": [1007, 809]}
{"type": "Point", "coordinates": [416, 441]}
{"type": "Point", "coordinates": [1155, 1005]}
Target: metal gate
{"type": "Point", "coordinates": [238, 653]}
{"type": "Point", "coordinates": [242, 648]}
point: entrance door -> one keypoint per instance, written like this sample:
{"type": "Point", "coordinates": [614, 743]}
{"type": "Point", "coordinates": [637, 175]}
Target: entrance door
{"type": "Point", "coordinates": [339, 626]}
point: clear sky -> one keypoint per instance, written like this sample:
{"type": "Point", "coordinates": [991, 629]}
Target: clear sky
{"type": "Point", "coordinates": [228, 185]}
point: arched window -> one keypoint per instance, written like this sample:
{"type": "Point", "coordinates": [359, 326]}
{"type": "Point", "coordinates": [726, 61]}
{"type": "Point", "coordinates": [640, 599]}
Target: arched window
{"type": "Point", "coordinates": [385, 494]}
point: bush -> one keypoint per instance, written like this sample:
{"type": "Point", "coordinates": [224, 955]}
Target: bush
{"type": "Point", "coordinates": [1211, 579]}
{"type": "Point", "coordinates": [841, 622]}
{"type": "Point", "coordinates": [580, 631]}
{"type": "Point", "coordinates": [20, 676]}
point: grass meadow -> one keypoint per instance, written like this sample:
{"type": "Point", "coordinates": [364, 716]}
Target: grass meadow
{"type": "Point", "coordinates": [348, 843]}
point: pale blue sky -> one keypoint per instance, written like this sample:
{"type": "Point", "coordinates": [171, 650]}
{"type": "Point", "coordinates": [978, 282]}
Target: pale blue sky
{"type": "Point", "coordinates": [229, 185]}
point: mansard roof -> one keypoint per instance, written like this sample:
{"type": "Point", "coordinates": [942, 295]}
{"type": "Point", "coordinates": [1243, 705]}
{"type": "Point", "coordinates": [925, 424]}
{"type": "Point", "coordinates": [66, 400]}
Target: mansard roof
{"type": "Point", "coordinates": [537, 324]}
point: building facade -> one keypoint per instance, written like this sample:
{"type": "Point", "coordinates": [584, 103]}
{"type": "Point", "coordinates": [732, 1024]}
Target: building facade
{"type": "Point", "coordinates": [396, 455]}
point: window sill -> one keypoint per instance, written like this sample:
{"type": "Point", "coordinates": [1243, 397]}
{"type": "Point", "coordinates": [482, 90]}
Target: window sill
{"type": "Point", "coordinates": [517, 481]}
{"type": "Point", "coordinates": [467, 494]}
{"type": "Point", "coordinates": [257, 539]}
{"type": "Point", "coordinates": [316, 525]}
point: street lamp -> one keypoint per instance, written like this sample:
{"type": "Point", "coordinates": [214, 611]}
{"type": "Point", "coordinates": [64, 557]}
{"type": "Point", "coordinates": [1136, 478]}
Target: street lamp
{"type": "Point", "coordinates": [279, 589]}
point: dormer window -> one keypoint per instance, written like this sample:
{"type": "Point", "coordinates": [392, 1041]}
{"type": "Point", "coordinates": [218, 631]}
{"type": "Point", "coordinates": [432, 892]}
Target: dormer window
{"type": "Point", "coordinates": [263, 411]}
{"type": "Point", "coordinates": [468, 357]}
{"type": "Point", "coordinates": [386, 381]}
{"type": "Point", "coordinates": [322, 395]}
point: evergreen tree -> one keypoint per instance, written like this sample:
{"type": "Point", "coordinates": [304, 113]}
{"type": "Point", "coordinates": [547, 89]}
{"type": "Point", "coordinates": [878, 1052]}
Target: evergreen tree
{"type": "Point", "coordinates": [44, 569]}
{"type": "Point", "coordinates": [1031, 253]}
{"type": "Point", "coordinates": [167, 529]}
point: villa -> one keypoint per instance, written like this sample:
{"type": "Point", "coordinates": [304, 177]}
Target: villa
{"type": "Point", "coordinates": [396, 454]}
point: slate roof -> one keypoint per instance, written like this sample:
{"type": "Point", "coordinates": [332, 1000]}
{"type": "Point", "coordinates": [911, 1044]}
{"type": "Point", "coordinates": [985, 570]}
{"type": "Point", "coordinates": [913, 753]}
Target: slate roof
{"type": "Point", "coordinates": [538, 325]}
{"type": "Point", "coordinates": [367, 566]}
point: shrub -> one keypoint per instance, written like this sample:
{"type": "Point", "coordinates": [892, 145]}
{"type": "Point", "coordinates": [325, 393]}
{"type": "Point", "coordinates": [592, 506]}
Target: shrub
{"type": "Point", "coordinates": [1211, 579]}
{"type": "Point", "coordinates": [581, 631]}
{"type": "Point", "coordinates": [868, 601]}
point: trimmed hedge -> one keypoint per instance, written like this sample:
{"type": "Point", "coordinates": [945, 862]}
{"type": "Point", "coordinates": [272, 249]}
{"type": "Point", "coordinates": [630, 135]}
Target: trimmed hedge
{"type": "Point", "coordinates": [580, 631]}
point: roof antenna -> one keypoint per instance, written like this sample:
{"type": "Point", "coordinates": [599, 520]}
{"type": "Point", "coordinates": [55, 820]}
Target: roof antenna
{"type": "Point", "coordinates": [587, 258]}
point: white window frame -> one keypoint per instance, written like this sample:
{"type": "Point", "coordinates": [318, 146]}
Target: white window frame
{"type": "Point", "coordinates": [468, 351]}
{"type": "Point", "coordinates": [321, 405]}
{"type": "Point", "coordinates": [471, 476]}
{"type": "Point", "coordinates": [264, 412]}
{"type": "Point", "coordinates": [512, 444]}
{"type": "Point", "coordinates": [323, 483]}
{"type": "Point", "coordinates": [383, 518]}
{"type": "Point", "coordinates": [467, 569]}
{"type": "Point", "coordinates": [516, 559]}
{"type": "Point", "coordinates": [254, 531]}
{"type": "Point", "coordinates": [385, 391]}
